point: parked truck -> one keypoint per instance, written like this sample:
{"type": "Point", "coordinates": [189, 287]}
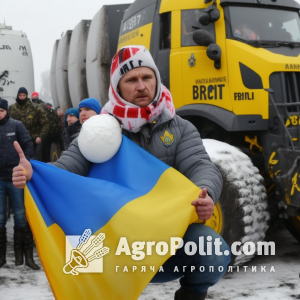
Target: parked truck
{"type": "Point", "coordinates": [16, 63]}
{"type": "Point", "coordinates": [233, 69]}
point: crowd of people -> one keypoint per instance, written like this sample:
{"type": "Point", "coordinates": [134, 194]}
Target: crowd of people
{"type": "Point", "coordinates": [34, 124]}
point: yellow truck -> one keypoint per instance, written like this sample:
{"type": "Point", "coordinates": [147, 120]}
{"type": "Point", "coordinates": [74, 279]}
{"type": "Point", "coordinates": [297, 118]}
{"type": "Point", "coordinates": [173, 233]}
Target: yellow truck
{"type": "Point", "coordinates": [233, 69]}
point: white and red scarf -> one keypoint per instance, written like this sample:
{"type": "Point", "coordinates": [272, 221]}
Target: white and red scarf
{"type": "Point", "coordinates": [133, 117]}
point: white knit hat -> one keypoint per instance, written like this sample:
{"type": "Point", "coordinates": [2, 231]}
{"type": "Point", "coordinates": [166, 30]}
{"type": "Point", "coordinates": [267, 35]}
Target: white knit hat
{"type": "Point", "coordinates": [128, 58]}
{"type": "Point", "coordinates": [132, 116]}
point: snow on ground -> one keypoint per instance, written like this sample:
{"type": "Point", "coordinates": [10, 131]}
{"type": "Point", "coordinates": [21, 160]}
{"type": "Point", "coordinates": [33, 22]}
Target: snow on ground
{"type": "Point", "coordinates": [284, 284]}
{"type": "Point", "coordinates": [21, 283]}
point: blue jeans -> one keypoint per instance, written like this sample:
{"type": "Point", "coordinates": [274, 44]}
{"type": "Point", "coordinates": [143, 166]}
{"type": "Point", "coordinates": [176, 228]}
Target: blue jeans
{"type": "Point", "coordinates": [196, 281]}
{"type": "Point", "coordinates": [17, 199]}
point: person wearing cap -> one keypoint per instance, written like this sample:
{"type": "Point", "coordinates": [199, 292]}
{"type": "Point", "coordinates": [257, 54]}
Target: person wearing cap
{"type": "Point", "coordinates": [34, 119]}
{"type": "Point", "coordinates": [87, 108]}
{"type": "Point", "coordinates": [72, 127]}
{"type": "Point", "coordinates": [35, 98]}
{"type": "Point", "coordinates": [12, 130]}
{"type": "Point", "coordinates": [145, 108]}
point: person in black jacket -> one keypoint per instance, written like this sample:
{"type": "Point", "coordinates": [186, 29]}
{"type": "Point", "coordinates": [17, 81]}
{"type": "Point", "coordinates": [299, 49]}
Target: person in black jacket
{"type": "Point", "coordinates": [12, 130]}
{"type": "Point", "coordinates": [72, 127]}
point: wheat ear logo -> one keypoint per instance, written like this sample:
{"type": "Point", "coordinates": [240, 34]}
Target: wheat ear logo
{"type": "Point", "coordinates": [81, 256]}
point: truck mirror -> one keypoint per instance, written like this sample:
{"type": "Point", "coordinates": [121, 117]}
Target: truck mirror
{"type": "Point", "coordinates": [214, 52]}
{"type": "Point", "coordinates": [209, 15]}
{"type": "Point", "coordinates": [204, 19]}
{"type": "Point", "coordinates": [214, 15]}
{"type": "Point", "coordinates": [203, 38]}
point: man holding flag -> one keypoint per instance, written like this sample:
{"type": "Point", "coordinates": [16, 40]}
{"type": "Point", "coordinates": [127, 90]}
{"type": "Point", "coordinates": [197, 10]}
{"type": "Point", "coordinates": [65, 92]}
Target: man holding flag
{"type": "Point", "coordinates": [145, 109]}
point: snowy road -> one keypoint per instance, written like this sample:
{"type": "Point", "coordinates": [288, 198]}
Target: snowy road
{"type": "Point", "coordinates": [24, 284]}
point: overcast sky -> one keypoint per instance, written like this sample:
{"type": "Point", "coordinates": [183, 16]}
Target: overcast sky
{"type": "Point", "coordinates": [43, 21]}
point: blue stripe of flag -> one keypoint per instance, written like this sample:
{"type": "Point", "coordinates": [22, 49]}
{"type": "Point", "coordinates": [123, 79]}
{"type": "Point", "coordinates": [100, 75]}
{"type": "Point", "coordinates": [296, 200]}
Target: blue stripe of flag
{"type": "Point", "coordinates": [76, 203]}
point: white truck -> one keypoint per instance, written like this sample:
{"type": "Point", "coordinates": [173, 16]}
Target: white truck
{"type": "Point", "coordinates": [16, 63]}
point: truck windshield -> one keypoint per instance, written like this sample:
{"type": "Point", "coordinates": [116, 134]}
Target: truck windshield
{"type": "Point", "coordinates": [264, 24]}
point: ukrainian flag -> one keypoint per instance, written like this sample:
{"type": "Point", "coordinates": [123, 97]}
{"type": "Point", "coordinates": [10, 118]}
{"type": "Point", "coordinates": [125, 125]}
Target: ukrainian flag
{"type": "Point", "coordinates": [133, 195]}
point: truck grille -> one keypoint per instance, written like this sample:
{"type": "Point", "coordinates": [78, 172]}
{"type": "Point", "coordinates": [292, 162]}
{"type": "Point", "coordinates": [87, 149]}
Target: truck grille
{"type": "Point", "coordinates": [286, 87]}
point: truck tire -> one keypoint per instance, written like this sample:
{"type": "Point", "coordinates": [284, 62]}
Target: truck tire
{"type": "Point", "coordinates": [55, 152]}
{"type": "Point", "coordinates": [241, 213]}
{"type": "Point", "coordinates": [293, 225]}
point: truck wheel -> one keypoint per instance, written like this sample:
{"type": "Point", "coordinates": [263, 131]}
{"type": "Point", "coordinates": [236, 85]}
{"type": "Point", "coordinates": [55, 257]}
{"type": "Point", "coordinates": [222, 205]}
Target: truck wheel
{"type": "Point", "coordinates": [55, 152]}
{"type": "Point", "coordinates": [241, 213]}
{"type": "Point", "coordinates": [293, 225]}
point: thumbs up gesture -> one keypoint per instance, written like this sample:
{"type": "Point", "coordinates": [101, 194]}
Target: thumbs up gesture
{"type": "Point", "coordinates": [23, 172]}
{"type": "Point", "coordinates": [204, 206]}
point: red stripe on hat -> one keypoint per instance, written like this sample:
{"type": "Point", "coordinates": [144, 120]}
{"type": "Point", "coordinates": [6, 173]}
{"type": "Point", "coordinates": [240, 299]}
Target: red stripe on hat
{"type": "Point", "coordinates": [119, 111]}
{"type": "Point", "coordinates": [145, 112]}
{"type": "Point", "coordinates": [135, 50]}
{"type": "Point", "coordinates": [132, 112]}
{"type": "Point", "coordinates": [126, 54]}
{"type": "Point", "coordinates": [115, 63]}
